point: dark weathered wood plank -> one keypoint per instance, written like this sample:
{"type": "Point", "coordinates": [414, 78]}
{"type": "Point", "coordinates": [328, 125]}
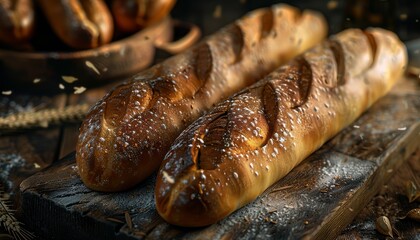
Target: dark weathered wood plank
{"type": "Point", "coordinates": [392, 202]}
{"type": "Point", "coordinates": [316, 200]}
{"type": "Point", "coordinates": [23, 153]}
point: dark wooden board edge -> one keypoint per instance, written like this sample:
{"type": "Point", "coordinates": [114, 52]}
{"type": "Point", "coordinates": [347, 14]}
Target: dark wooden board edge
{"type": "Point", "coordinates": [391, 201]}
{"type": "Point", "coordinates": [388, 164]}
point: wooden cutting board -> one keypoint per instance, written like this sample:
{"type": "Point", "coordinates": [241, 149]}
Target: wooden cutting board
{"type": "Point", "coordinates": [391, 201]}
{"type": "Point", "coordinates": [315, 201]}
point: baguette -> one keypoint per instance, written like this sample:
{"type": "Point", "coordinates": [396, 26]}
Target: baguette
{"type": "Point", "coordinates": [81, 24]}
{"type": "Point", "coordinates": [16, 21]}
{"type": "Point", "coordinates": [229, 156]}
{"type": "Point", "coordinates": [126, 135]}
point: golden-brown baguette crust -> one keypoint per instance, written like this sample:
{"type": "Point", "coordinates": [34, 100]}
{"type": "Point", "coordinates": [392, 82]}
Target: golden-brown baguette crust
{"type": "Point", "coordinates": [81, 24]}
{"type": "Point", "coordinates": [16, 21]}
{"type": "Point", "coordinates": [229, 156]}
{"type": "Point", "coordinates": [126, 135]}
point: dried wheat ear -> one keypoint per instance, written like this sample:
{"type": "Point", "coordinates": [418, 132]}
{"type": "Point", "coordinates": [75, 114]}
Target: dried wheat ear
{"type": "Point", "coordinates": [9, 222]}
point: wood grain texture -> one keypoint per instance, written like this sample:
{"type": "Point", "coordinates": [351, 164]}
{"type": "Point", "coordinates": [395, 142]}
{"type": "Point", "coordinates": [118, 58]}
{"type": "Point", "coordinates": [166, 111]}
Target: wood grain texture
{"type": "Point", "coordinates": [391, 201]}
{"type": "Point", "coordinates": [23, 153]}
{"type": "Point", "coordinates": [316, 200]}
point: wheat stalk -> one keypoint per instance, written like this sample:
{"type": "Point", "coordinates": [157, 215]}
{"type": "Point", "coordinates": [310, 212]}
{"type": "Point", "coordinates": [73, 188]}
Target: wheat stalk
{"type": "Point", "coordinates": [9, 222]}
{"type": "Point", "coordinates": [44, 117]}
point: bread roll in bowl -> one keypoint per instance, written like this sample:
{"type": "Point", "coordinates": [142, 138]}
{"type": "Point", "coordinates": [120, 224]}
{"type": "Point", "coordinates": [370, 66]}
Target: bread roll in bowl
{"type": "Point", "coordinates": [81, 24]}
{"type": "Point", "coordinates": [17, 22]}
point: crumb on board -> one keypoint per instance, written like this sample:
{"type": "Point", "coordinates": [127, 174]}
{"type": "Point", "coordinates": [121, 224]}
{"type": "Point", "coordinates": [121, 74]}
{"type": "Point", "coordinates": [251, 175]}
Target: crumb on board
{"type": "Point", "coordinates": [168, 178]}
{"type": "Point", "coordinates": [61, 86]}
{"type": "Point", "coordinates": [414, 214]}
{"type": "Point", "coordinates": [79, 90]}
{"type": "Point", "coordinates": [383, 225]}
{"type": "Point", "coordinates": [37, 80]}
{"type": "Point", "coordinates": [8, 92]}
{"type": "Point", "coordinates": [90, 65]}
{"type": "Point", "coordinates": [69, 79]}
{"type": "Point", "coordinates": [128, 220]}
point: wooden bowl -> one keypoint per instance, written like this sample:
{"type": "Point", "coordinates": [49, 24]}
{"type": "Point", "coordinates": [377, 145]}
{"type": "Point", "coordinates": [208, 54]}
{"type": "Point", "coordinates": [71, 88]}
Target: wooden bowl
{"type": "Point", "coordinates": [52, 72]}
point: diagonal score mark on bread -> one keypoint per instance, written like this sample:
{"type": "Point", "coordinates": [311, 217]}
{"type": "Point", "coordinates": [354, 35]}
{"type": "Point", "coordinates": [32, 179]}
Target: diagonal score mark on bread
{"type": "Point", "coordinates": [228, 134]}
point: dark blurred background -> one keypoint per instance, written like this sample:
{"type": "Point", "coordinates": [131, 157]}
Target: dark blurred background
{"type": "Point", "coordinates": [400, 16]}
